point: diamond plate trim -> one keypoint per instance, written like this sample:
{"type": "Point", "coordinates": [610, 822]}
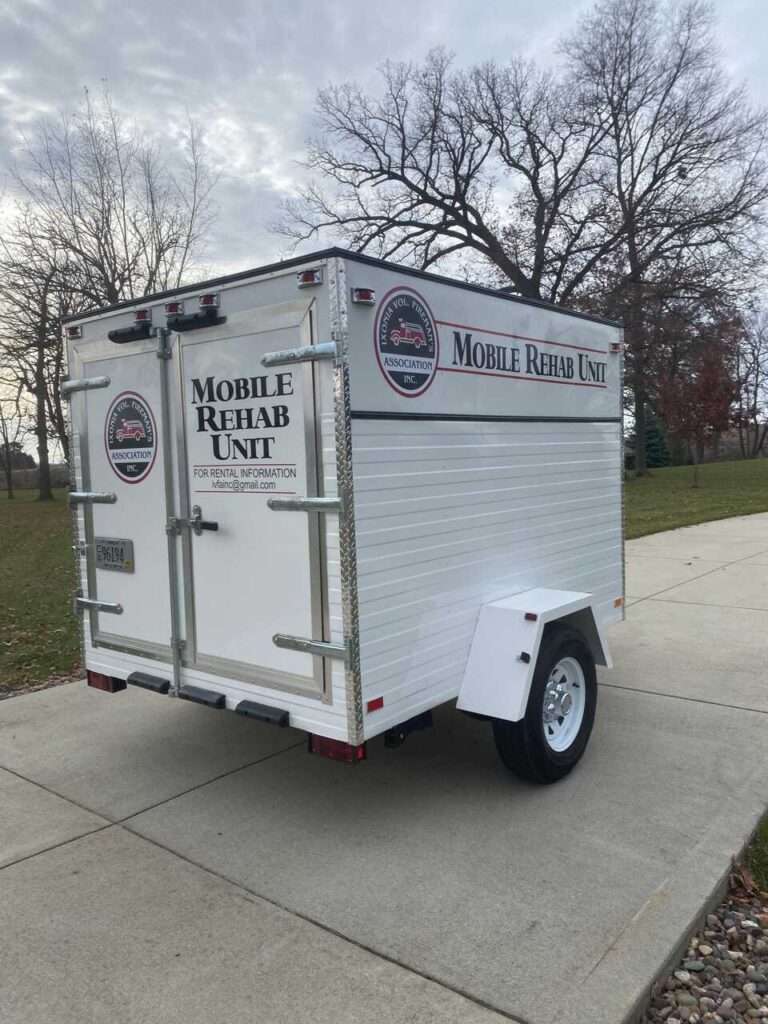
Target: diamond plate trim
{"type": "Point", "coordinates": [347, 542]}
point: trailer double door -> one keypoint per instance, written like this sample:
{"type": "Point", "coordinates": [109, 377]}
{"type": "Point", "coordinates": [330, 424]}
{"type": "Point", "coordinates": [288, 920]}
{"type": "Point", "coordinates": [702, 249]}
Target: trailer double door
{"type": "Point", "coordinates": [179, 455]}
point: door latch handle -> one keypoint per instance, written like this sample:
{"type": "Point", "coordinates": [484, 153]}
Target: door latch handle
{"type": "Point", "coordinates": [198, 524]}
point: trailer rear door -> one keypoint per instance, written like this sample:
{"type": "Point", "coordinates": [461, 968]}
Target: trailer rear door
{"type": "Point", "coordinates": [117, 434]}
{"type": "Point", "coordinates": [248, 434]}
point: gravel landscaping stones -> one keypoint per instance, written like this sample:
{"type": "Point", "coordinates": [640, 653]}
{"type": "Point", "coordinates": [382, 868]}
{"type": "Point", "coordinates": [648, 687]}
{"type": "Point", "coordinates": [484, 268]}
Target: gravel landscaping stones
{"type": "Point", "coordinates": [724, 974]}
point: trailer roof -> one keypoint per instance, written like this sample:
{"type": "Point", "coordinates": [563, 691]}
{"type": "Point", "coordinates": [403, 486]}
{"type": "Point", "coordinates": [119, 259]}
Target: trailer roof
{"type": "Point", "coordinates": [357, 257]}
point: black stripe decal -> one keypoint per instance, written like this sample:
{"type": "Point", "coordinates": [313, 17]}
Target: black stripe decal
{"type": "Point", "coordinates": [361, 414]}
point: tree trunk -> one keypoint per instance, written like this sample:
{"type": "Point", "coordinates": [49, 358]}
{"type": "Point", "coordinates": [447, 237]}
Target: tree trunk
{"type": "Point", "coordinates": [641, 424]}
{"type": "Point", "coordinates": [635, 342]}
{"type": "Point", "coordinates": [9, 480]}
{"type": "Point", "coordinates": [41, 429]}
{"type": "Point", "coordinates": [695, 456]}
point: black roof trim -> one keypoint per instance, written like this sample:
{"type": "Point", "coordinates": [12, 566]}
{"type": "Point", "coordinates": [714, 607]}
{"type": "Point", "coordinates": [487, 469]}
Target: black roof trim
{"type": "Point", "coordinates": [357, 257]}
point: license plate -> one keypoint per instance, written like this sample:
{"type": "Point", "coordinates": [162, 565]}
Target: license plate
{"type": "Point", "coordinates": [114, 553]}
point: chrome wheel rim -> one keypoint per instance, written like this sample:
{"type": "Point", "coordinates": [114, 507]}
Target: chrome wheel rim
{"type": "Point", "coordinates": [565, 700]}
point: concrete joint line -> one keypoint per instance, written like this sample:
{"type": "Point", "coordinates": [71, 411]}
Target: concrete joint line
{"type": "Point", "coordinates": [328, 930]}
{"type": "Point", "coordinates": [703, 604]}
{"type": "Point", "coordinates": [709, 572]}
{"type": "Point", "coordinates": [689, 700]}
{"type": "Point", "coordinates": [61, 796]}
{"type": "Point", "coordinates": [159, 803]}
{"type": "Point", "coordinates": [208, 782]}
{"type": "Point", "coordinates": [58, 846]}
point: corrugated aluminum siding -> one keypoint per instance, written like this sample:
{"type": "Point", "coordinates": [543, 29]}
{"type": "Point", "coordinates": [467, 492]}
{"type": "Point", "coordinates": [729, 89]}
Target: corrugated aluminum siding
{"type": "Point", "coordinates": [451, 515]}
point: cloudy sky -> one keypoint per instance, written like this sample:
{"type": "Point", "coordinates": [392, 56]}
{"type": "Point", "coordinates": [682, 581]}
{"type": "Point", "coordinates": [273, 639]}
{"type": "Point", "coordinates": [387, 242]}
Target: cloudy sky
{"type": "Point", "coordinates": [249, 70]}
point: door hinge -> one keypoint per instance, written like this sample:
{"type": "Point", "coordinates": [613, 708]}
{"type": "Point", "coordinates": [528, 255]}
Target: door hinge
{"type": "Point", "coordinates": [163, 350]}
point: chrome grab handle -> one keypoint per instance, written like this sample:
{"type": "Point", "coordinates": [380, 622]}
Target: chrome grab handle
{"type": "Point", "coordinates": [318, 647]}
{"type": "Point", "coordinates": [83, 603]}
{"type": "Point", "coordinates": [68, 387]}
{"type": "Point", "coordinates": [304, 504]}
{"type": "Point", "coordinates": [92, 498]}
{"type": "Point", "coordinates": [307, 354]}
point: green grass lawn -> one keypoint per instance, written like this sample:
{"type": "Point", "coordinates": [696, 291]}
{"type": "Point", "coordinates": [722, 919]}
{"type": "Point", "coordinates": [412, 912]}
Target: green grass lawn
{"type": "Point", "coordinates": [38, 636]}
{"type": "Point", "coordinates": [757, 858]}
{"type": "Point", "coordinates": [665, 499]}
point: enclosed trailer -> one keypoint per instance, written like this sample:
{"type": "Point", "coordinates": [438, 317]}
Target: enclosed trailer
{"type": "Point", "coordinates": [334, 493]}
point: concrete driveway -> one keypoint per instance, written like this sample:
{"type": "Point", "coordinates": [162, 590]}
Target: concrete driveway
{"type": "Point", "coordinates": [166, 863]}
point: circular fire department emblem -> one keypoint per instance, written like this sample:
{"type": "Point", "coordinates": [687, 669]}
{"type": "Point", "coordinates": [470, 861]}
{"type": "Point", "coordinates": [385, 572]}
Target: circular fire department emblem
{"type": "Point", "coordinates": [406, 342]}
{"type": "Point", "coordinates": [130, 437]}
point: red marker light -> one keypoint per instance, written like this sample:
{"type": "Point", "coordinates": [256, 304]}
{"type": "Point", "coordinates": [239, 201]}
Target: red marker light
{"type": "Point", "coordinates": [531, 617]}
{"type": "Point", "coordinates": [336, 750]}
{"type": "Point", "coordinates": [364, 296]}
{"type": "Point", "coordinates": [174, 308]}
{"type": "Point", "coordinates": [143, 316]}
{"type": "Point", "coordinates": [307, 278]}
{"type": "Point", "coordinates": [209, 301]}
{"type": "Point", "coordinates": [375, 704]}
{"type": "Point", "coordinates": [76, 331]}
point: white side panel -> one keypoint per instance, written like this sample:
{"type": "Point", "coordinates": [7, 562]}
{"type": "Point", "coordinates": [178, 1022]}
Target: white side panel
{"type": "Point", "coordinates": [476, 353]}
{"type": "Point", "coordinates": [453, 515]}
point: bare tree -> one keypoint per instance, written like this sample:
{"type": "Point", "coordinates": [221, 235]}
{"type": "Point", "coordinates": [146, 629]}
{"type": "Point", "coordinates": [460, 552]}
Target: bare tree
{"type": "Point", "coordinates": [420, 172]}
{"type": "Point", "coordinates": [682, 164]}
{"type": "Point", "coordinates": [129, 220]}
{"type": "Point", "coordinates": [13, 427]}
{"type": "Point", "coordinates": [637, 167]}
{"type": "Point", "coordinates": [38, 287]}
{"type": "Point", "coordinates": [101, 217]}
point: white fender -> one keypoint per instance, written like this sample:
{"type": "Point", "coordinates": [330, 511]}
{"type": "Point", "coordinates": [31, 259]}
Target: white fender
{"type": "Point", "coordinates": [498, 676]}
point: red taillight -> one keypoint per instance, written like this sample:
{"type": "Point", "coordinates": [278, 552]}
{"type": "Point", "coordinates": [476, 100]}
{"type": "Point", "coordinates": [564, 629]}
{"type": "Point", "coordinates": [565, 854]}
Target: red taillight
{"type": "Point", "coordinates": [375, 704]}
{"type": "Point", "coordinates": [306, 278]}
{"type": "Point", "coordinates": [174, 308]}
{"type": "Point", "coordinates": [337, 750]}
{"type": "Point", "coordinates": [106, 683]}
{"type": "Point", "coordinates": [364, 296]}
{"type": "Point", "coordinates": [76, 331]}
{"type": "Point", "coordinates": [209, 301]}
{"type": "Point", "coordinates": [143, 316]}
{"type": "Point", "coordinates": [616, 346]}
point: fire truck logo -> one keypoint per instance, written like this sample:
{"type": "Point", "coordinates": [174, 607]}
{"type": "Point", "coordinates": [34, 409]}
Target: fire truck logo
{"type": "Point", "coordinates": [406, 342]}
{"type": "Point", "coordinates": [130, 437]}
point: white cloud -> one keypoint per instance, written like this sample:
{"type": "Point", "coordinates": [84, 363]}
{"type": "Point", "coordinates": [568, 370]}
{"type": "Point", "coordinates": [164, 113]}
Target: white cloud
{"type": "Point", "coordinates": [249, 70]}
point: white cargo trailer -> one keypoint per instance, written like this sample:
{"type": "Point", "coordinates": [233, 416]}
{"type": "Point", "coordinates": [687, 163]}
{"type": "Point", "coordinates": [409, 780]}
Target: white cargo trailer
{"type": "Point", "coordinates": [334, 493]}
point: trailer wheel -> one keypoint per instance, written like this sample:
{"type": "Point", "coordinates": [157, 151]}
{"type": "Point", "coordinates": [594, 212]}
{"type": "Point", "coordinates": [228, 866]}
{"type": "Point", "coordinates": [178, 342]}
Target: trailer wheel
{"type": "Point", "coordinates": [545, 745]}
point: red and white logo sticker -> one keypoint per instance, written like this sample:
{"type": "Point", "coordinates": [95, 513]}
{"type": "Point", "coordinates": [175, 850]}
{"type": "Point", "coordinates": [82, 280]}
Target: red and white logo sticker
{"type": "Point", "coordinates": [406, 342]}
{"type": "Point", "coordinates": [130, 437]}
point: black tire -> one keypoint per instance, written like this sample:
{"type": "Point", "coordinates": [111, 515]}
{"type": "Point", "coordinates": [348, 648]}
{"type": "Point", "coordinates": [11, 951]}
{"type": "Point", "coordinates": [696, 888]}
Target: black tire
{"type": "Point", "coordinates": [522, 745]}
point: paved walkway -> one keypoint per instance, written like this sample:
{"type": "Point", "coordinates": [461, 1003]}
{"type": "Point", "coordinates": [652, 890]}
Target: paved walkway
{"type": "Point", "coordinates": [164, 863]}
